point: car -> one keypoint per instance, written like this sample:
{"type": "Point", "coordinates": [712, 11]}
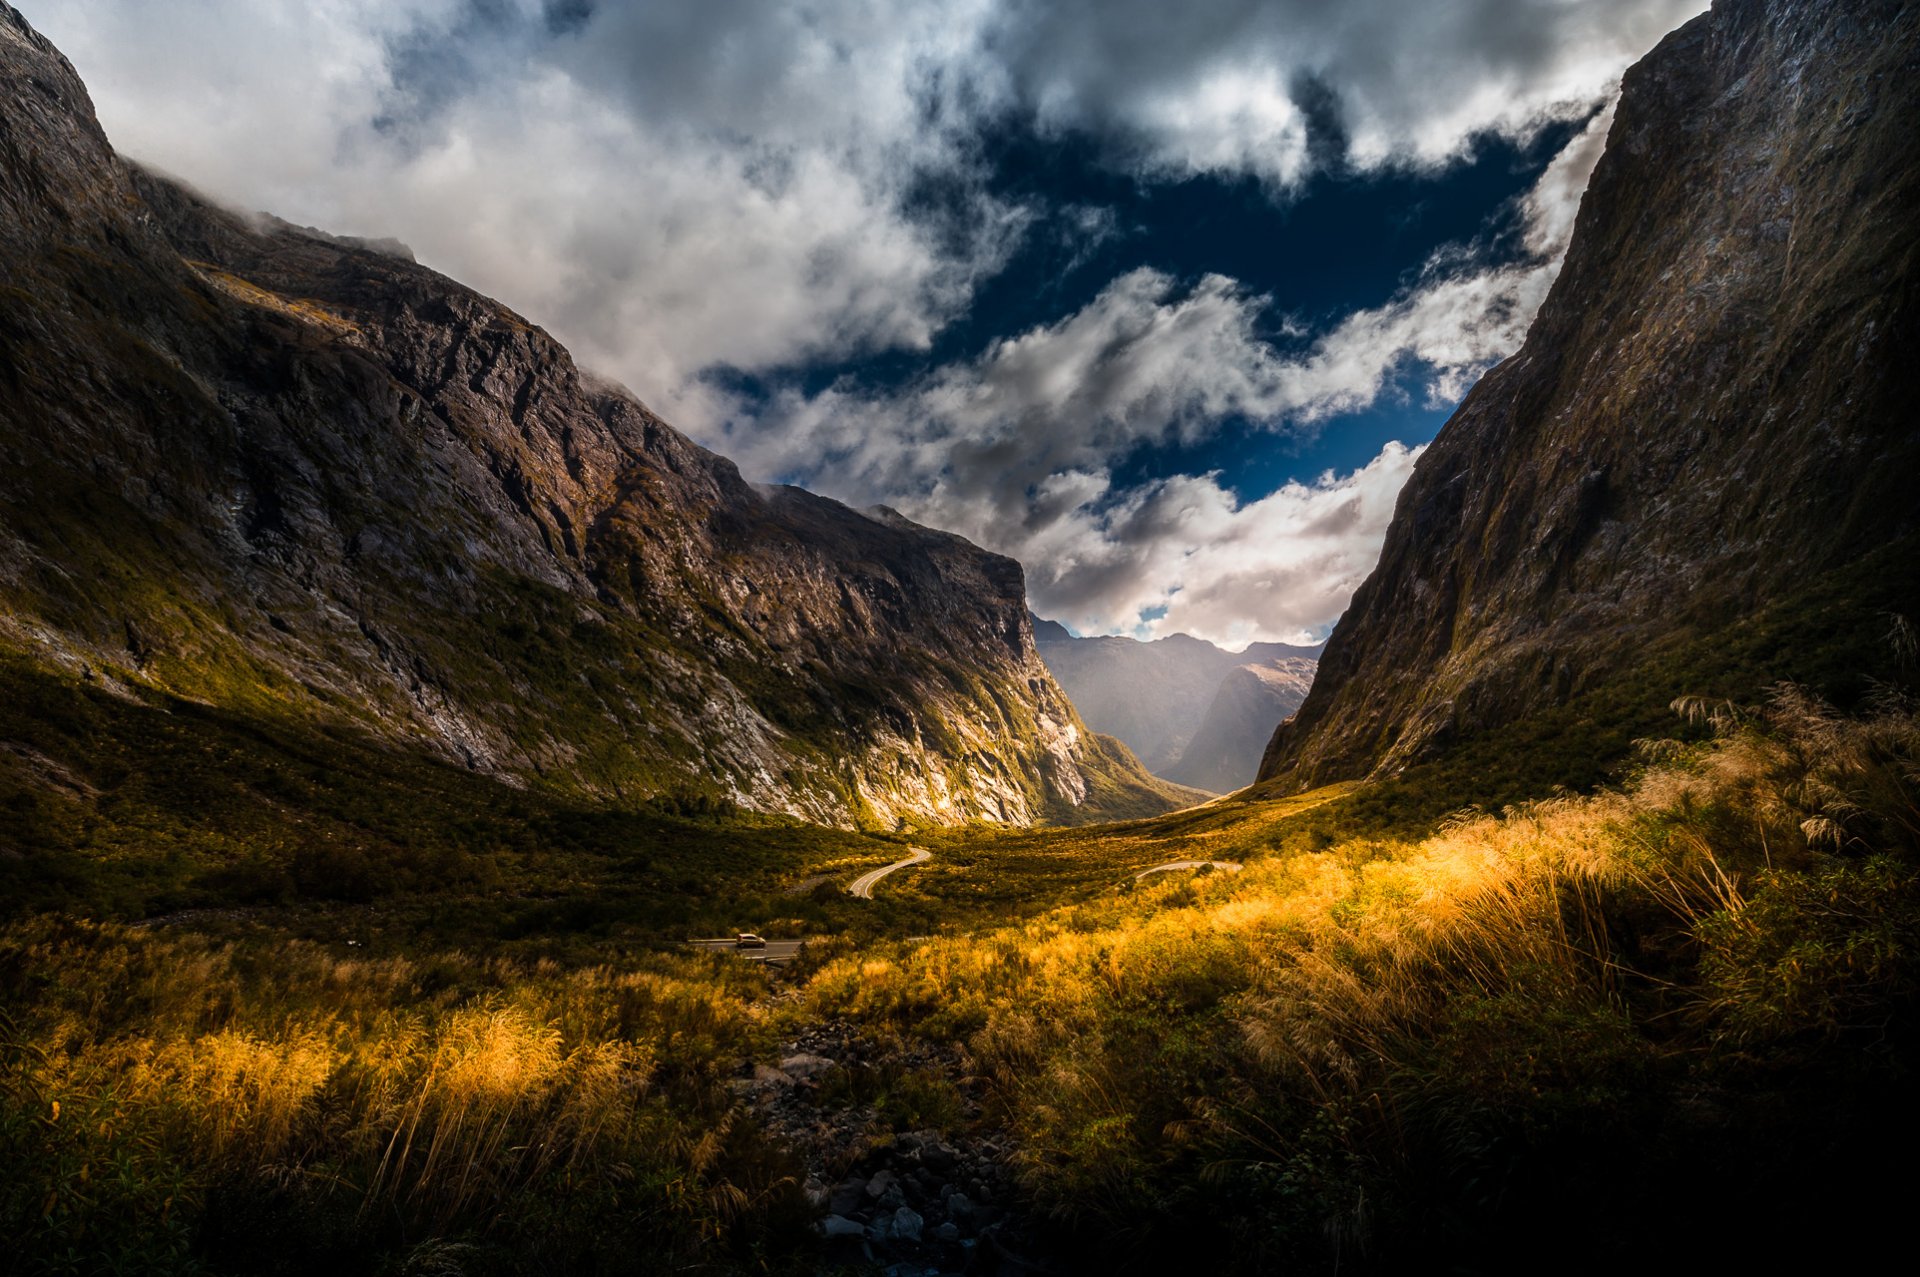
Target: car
{"type": "Point", "coordinates": [748, 940]}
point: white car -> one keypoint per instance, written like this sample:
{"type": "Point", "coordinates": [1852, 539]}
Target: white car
{"type": "Point", "coordinates": [748, 940]}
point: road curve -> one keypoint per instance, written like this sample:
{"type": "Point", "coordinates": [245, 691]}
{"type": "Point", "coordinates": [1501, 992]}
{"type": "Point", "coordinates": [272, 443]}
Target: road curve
{"type": "Point", "coordinates": [863, 885]}
{"type": "Point", "coordinates": [1230, 866]}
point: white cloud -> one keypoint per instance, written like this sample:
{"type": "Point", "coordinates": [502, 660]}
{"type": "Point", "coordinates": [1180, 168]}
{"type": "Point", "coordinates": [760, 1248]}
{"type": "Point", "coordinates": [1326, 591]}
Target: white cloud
{"type": "Point", "coordinates": [671, 186]}
{"type": "Point", "coordinates": [674, 185]}
{"type": "Point", "coordinates": [1016, 449]}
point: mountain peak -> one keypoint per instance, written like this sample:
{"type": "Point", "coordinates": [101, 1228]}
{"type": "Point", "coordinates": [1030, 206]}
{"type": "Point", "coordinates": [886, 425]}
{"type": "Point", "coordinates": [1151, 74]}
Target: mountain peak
{"type": "Point", "coordinates": [303, 476]}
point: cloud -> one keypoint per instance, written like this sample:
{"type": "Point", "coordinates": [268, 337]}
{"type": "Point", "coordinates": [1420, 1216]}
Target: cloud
{"type": "Point", "coordinates": [1017, 449]}
{"type": "Point", "coordinates": [1223, 86]}
{"type": "Point", "coordinates": [674, 186]}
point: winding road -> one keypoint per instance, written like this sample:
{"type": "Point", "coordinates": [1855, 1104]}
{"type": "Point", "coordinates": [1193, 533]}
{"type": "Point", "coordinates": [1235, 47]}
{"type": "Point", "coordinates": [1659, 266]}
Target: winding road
{"type": "Point", "coordinates": [1230, 866]}
{"type": "Point", "coordinates": [863, 885]}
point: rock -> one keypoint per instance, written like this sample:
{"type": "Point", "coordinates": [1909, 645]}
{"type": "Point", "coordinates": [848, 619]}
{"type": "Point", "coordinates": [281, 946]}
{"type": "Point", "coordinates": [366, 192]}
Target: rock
{"type": "Point", "coordinates": [883, 1182]}
{"type": "Point", "coordinates": [947, 1232]}
{"type": "Point", "coordinates": [960, 1206]}
{"type": "Point", "coordinates": [806, 1066]}
{"type": "Point", "coordinates": [496, 491]}
{"type": "Point", "coordinates": [1700, 429]}
{"type": "Point", "coordinates": [847, 1196]}
{"type": "Point", "coordinates": [766, 1075]}
{"type": "Point", "coordinates": [907, 1224]}
{"type": "Point", "coordinates": [840, 1226]}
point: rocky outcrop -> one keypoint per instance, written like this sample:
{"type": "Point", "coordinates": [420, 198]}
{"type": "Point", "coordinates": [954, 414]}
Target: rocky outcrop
{"type": "Point", "coordinates": [1711, 425]}
{"type": "Point", "coordinates": [304, 477]}
{"type": "Point", "coordinates": [1157, 696]}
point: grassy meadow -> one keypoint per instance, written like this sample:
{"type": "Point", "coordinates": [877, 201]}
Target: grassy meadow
{"type": "Point", "coordinates": [1672, 1016]}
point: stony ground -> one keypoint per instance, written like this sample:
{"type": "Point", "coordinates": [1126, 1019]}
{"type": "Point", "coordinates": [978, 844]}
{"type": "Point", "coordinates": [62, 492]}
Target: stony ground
{"type": "Point", "coordinates": [929, 1201]}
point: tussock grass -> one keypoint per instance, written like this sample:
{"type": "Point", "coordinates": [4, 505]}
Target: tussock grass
{"type": "Point", "coordinates": [1622, 1017]}
{"type": "Point", "coordinates": [1581, 1009]}
{"type": "Point", "coordinates": [169, 1103]}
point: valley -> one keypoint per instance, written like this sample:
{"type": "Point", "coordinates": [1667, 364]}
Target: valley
{"type": "Point", "coordinates": [395, 719]}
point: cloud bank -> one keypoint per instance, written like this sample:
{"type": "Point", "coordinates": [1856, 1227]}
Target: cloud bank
{"type": "Point", "coordinates": [678, 187]}
{"type": "Point", "coordinates": [1016, 449]}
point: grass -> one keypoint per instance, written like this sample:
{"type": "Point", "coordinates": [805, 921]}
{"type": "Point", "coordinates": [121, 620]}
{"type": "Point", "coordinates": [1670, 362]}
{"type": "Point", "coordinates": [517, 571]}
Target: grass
{"type": "Point", "coordinates": [1576, 1018]}
{"type": "Point", "coordinates": [173, 1104]}
{"type": "Point", "coordinates": [396, 1016]}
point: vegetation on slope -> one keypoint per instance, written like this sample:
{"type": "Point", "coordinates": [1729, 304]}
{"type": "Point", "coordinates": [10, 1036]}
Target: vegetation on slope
{"type": "Point", "coordinates": [1624, 1017]}
{"type": "Point", "coordinates": [1618, 1017]}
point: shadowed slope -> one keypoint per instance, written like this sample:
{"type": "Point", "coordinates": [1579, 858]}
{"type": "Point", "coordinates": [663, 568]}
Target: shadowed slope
{"type": "Point", "coordinates": [1712, 420]}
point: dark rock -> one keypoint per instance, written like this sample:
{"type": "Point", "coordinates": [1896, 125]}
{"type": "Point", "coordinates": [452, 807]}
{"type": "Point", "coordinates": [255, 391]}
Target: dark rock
{"type": "Point", "coordinates": [1713, 426]}
{"type": "Point", "coordinates": [847, 1196]}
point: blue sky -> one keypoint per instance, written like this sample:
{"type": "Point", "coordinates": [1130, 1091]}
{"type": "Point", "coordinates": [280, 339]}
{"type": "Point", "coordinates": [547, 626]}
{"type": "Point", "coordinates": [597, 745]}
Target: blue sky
{"type": "Point", "coordinates": [1160, 299]}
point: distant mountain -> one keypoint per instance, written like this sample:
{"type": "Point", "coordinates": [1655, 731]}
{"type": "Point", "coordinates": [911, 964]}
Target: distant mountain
{"type": "Point", "coordinates": [1165, 696]}
{"type": "Point", "coordinates": [305, 479]}
{"type": "Point", "coordinates": [1698, 473]}
{"type": "Point", "coordinates": [1224, 752]}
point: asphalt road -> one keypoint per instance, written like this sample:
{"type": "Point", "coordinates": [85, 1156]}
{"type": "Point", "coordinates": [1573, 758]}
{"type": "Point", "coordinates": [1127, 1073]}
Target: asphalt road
{"type": "Point", "coordinates": [1230, 866]}
{"type": "Point", "coordinates": [776, 950]}
{"type": "Point", "coordinates": [863, 885]}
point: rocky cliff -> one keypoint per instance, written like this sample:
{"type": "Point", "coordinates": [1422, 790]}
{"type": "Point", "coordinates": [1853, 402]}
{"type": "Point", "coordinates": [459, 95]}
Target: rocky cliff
{"type": "Point", "coordinates": [1710, 437]}
{"type": "Point", "coordinates": [307, 479]}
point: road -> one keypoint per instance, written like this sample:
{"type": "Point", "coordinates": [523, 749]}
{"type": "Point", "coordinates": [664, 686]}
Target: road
{"type": "Point", "coordinates": [776, 950]}
{"type": "Point", "coordinates": [863, 885]}
{"type": "Point", "coordinates": [1230, 866]}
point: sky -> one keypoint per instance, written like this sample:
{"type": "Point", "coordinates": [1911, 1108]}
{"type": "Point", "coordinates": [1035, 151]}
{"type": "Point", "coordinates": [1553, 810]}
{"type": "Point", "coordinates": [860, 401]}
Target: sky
{"type": "Point", "coordinates": [1163, 300]}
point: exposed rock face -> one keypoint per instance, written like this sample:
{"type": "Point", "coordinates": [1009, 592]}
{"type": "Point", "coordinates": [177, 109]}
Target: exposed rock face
{"type": "Point", "coordinates": [1714, 412]}
{"type": "Point", "coordinates": [307, 478]}
{"type": "Point", "coordinates": [1251, 700]}
{"type": "Point", "coordinates": [1156, 696]}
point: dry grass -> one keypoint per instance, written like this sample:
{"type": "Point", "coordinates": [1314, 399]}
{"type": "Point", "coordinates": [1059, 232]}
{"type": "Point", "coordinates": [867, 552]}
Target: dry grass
{"type": "Point", "coordinates": [1380, 1031]}
{"type": "Point", "coordinates": [389, 1101]}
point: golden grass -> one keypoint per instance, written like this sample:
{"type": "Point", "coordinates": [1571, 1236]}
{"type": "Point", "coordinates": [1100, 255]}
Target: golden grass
{"type": "Point", "coordinates": [447, 1096]}
{"type": "Point", "coordinates": [302, 309]}
{"type": "Point", "coordinates": [1529, 970]}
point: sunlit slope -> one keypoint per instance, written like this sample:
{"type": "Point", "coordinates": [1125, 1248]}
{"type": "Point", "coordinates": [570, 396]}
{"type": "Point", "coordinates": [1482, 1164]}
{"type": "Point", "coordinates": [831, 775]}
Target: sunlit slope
{"type": "Point", "coordinates": [306, 479]}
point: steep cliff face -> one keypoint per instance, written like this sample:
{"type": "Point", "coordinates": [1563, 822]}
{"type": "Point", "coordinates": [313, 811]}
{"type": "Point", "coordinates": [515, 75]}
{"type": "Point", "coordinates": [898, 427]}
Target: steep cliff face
{"type": "Point", "coordinates": [1712, 423]}
{"type": "Point", "coordinates": [1155, 696]}
{"type": "Point", "coordinates": [307, 478]}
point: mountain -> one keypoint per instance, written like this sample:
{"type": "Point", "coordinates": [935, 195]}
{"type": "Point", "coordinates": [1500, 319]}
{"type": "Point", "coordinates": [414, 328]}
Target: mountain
{"type": "Point", "coordinates": [307, 480]}
{"type": "Point", "coordinates": [1697, 474]}
{"type": "Point", "coordinates": [1224, 752]}
{"type": "Point", "coordinates": [1156, 696]}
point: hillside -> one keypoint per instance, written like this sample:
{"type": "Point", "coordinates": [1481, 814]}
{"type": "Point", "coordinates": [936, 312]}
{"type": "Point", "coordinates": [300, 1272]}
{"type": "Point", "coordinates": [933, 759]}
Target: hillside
{"type": "Point", "coordinates": [1695, 477]}
{"type": "Point", "coordinates": [1156, 696]}
{"type": "Point", "coordinates": [310, 481]}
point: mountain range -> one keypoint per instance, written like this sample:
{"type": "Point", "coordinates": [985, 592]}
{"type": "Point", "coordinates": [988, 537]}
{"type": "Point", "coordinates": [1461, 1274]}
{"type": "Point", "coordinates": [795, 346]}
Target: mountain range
{"type": "Point", "coordinates": [1696, 477]}
{"type": "Point", "coordinates": [1194, 713]}
{"type": "Point", "coordinates": [309, 481]}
